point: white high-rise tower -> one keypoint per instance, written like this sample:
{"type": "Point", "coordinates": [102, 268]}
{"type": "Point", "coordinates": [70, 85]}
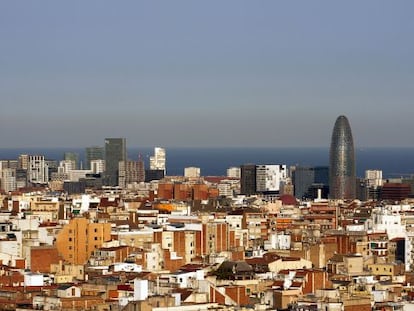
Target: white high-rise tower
{"type": "Point", "coordinates": [157, 161]}
{"type": "Point", "coordinates": [38, 172]}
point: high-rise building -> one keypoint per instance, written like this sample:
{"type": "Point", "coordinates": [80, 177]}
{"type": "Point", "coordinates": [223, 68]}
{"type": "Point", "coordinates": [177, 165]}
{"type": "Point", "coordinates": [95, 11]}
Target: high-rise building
{"type": "Point", "coordinates": [233, 172]}
{"type": "Point", "coordinates": [269, 178]}
{"type": "Point", "coordinates": [342, 179]}
{"type": "Point", "coordinates": [115, 151]}
{"type": "Point", "coordinates": [303, 178]}
{"type": "Point", "coordinates": [38, 171]}
{"type": "Point", "coordinates": [72, 156]}
{"type": "Point", "coordinates": [66, 165]}
{"type": "Point", "coordinates": [130, 172]}
{"type": "Point", "coordinates": [308, 180]}
{"type": "Point", "coordinates": [97, 166]}
{"type": "Point", "coordinates": [21, 178]}
{"type": "Point", "coordinates": [23, 161]}
{"type": "Point", "coordinates": [248, 179]}
{"type": "Point", "coordinates": [93, 153]}
{"type": "Point", "coordinates": [8, 179]}
{"type": "Point", "coordinates": [373, 178]}
{"type": "Point", "coordinates": [157, 161]}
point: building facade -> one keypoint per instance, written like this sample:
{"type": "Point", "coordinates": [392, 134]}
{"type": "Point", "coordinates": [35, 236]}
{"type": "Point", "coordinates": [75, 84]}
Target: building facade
{"type": "Point", "coordinates": [115, 151]}
{"type": "Point", "coordinates": [158, 160]}
{"type": "Point", "coordinates": [130, 172]}
{"type": "Point", "coordinates": [270, 177]}
{"type": "Point", "coordinates": [248, 179]}
{"type": "Point", "coordinates": [38, 172]}
{"type": "Point", "coordinates": [77, 240]}
{"type": "Point", "coordinates": [93, 153]}
{"type": "Point", "coordinates": [342, 178]}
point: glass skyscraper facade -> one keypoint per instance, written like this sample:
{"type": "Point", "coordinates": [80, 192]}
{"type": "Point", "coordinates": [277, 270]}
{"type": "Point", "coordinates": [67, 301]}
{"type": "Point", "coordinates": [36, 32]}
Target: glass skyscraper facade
{"type": "Point", "coordinates": [342, 179]}
{"type": "Point", "coordinates": [93, 153]}
{"type": "Point", "coordinates": [115, 151]}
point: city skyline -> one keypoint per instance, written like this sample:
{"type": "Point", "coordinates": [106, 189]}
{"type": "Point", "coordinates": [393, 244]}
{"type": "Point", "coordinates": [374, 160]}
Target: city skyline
{"type": "Point", "coordinates": [184, 74]}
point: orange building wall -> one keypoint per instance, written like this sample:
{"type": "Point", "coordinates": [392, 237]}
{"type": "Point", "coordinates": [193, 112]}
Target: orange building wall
{"type": "Point", "coordinates": [77, 240]}
{"type": "Point", "coordinates": [238, 294]}
{"type": "Point", "coordinates": [165, 191]}
{"type": "Point", "coordinates": [42, 258]}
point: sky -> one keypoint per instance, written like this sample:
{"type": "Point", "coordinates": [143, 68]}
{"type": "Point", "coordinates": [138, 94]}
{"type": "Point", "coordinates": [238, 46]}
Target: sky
{"type": "Point", "coordinates": [205, 73]}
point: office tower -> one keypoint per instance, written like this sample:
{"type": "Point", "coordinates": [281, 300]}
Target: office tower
{"type": "Point", "coordinates": [321, 175]}
{"type": "Point", "coordinates": [38, 172]}
{"type": "Point", "coordinates": [233, 172]}
{"type": "Point", "coordinates": [93, 153]}
{"type": "Point", "coordinates": [141, 168]}
{"type": "Point", "coordinates": [130, 172]}
{"type": "Point", "coordinates": [157, 161]}
{"type": "Point", "coordinates": [309, 180]}
{"type": "Point", "coordinates": [342, 179]}
{"type": "Point", "coordinates": [248, 179]}
{"type": "Point", "coordinates": [303, 178]}
{"type": "Point", "coordinates": [269, 178]}
{"type": "Point", "coordinates": [72, 156]}
{"type": "Point", "coordinates": [52, 166]}
{"type": "Point", "coordinates": [115, 151]}
{"type": "Point", "coordinates": [192, 172]}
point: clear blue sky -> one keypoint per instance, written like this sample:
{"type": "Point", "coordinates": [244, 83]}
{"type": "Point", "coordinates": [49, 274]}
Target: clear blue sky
{"type": "Point", "coordinates": [205, 73]}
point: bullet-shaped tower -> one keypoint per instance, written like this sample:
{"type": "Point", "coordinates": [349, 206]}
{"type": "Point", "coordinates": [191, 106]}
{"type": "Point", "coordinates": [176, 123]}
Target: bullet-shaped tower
{"type": "Point", "coordinates": [342, 179]}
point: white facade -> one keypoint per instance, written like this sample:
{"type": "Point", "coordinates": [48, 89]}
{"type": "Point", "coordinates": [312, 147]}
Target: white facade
{"type": "Point", "coordinates": [66, 166]}
{"type": "Point", "coordinates": [233, 172]}
{"type": "Point", "coordinates": [278, 241]}
{"type": "Point", "coordinates": [270, 177]}
{"type": "Point", "coordinates": [157, 161]}
{"type": "Point", "coordinates": [126, 267]}
{"type": "Point", "coordinates": [234, 221]}
{"type": "Point", "coordinates": [97, 166]}
{"type": "Point", "coordinates": [373, 178]}
{"type": "Point", "coordinates": [140, 290]}
{"type": "Point", "coordinates": [38, 172]}
{"type": "Point", "coordinates": [390, 222]}
{"type": "Point", "coordinates": [75, 175]}
{"type": "Point", "coordinates": [33, 279]}
{"type": "Point", "coordinates": [192, 172]}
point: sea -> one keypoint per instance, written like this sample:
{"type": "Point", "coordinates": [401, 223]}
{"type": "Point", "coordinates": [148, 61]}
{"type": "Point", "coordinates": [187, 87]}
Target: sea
{"type": "Point", "coordinates": [394, 162]}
